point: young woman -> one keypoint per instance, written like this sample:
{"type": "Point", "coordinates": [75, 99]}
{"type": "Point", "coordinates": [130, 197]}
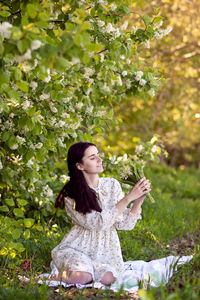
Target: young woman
{"type": "Point", "coordinates": [91, 250]}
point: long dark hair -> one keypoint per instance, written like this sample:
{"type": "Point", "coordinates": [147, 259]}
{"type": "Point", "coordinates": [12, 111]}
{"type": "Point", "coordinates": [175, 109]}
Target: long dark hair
{"type": "Point", "coordinates": [77, 187]}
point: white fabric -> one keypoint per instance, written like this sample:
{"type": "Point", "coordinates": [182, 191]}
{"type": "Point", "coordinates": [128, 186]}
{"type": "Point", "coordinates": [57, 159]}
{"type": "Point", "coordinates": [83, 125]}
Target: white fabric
{"type": "Point", "coordinates": [92, 245]}
{"type": "Point", "coordinates": [154, 273]}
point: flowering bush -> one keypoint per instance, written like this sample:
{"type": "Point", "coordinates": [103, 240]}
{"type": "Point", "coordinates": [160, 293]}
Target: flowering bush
{"type": "Point", "coordinates": [62, 65]}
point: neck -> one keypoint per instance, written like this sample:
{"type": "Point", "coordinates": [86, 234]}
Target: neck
{"type": "Point", "coordinates": [92, 179]}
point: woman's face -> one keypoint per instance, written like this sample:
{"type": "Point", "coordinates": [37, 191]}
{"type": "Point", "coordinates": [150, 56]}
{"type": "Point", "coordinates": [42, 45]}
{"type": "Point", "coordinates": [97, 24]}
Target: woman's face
{"type": "Point", "coordinates": [91, 161]}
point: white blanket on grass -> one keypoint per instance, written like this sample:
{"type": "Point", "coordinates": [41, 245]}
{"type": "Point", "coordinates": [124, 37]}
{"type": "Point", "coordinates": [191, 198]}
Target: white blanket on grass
{"type": "Point", "coordinates": [154, 273]}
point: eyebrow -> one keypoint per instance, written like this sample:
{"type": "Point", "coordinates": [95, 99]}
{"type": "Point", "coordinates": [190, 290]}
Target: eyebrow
{"type": "Point", "coordinates": [93, 154]}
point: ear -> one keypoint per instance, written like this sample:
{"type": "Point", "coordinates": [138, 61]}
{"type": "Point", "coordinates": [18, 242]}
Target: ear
{"type": "Point", "coordinates": [79, 166]}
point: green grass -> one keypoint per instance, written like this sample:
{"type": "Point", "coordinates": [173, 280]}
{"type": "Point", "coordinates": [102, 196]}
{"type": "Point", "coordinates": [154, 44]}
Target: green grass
{"type": "Point", "coordinates": [170, 226]}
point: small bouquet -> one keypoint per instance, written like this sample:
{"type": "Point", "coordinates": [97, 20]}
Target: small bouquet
{"type": "Point", "coordinates": [130, 169]}
{"type": "Point", "coordinates": [137, 173]}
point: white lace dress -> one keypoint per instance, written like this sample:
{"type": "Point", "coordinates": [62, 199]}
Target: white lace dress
{"type": "Point", "coordinates": [92, 245]}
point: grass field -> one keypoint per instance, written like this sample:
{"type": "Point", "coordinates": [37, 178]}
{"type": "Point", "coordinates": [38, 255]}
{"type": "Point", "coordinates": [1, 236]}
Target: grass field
{"type": "Point", "coordinates": [170, 226]}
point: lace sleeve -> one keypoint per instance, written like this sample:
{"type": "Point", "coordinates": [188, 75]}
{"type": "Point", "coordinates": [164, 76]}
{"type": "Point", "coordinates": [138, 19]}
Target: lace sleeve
{"type": "Point", "coordinates": [127, 220]}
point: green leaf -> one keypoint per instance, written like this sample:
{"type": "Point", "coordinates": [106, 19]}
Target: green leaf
{"type": "Point", "coordinates": [4, 78]}
{"type": "Point", "coordinates": [5, 14]}
{"type": "Point", "coordinates": [5, 136]}
{"type": "Point", "coordinates": [38, 227]}
{"type": "Point", "coordinates": [23, 86]}
{"type": "Point", "coordinates": [10, 202]}
{"type": "Point", "coordinates": [85, 58]}
{"type": "Point", "coordinates": [16, 234]}
{"type": "Point", "coordinates": [29, 154]}
{"type": "Point", "coordinates": [18, 246]}
{"type": "Point", "coordinates": [147, 19]}
{"type": "Point", "coordinates": [92, 47]}
{"type": "Point", "coordinates": [4, 208]}
{"type": "Point", "coordinates": [31, 10]}
{"type": "Point", "coordinates": [18, 212]}
{"type": "Point", "coordinates": [27, 234]}
{"type": "Point", "coordinates": [22, 202]}
{"type": "Point", "coordinates": [28, 222]}
{"type": "Point", "coordinates": [11, 141]}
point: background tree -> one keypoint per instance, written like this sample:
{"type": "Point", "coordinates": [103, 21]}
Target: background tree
{"type": "Point", "coordinates": [174, 113]}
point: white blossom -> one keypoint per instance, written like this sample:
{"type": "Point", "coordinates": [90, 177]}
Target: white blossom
{"type": "Point", "coordinates": [109, 28]}
{"type": "Point", "coordinates": [75, 61]}
{"type": "Point", "coordinates": [128, 61]}
{"type": "Point", "coordinates": [134, 28]}
{"type": "Point", "coordinates": [106, 88]}
{"type": "Point", "coordinates": [151, 92]}
{"type": "Point", "coordinates": [113, 6]}
{"type": "Point", "coordinates": [36, 44]}
{"type": "Point", "coordinates": [74, 135]}
{"type": "Point", "coordinates": [60, 123]}
{"type": "Point", "coordinates": [89, 109]}
{"type": "Point", "coordinates": [33, 85]}
{"type": "Point", "coordinates": [128, 83]}
{"type": "Point", "coordinates": [138, 76]}
{"type": "Point", "coordinates": [66, 100]}
{"type": "Point", "coordinates": [44, 96]}
{"type": "Point", "coordinates": [124, 26]}
{"type": "Point", "coordinates": [101, 57]}
{"type": "Point", "coordinates": [38, 145]}
{"type": "Point", "coordinates": [139, 149]}
{"type": "Point", "coordinates": [1, 166]}
{"type": "Point", "coordinates": [154, 149]}
{"type": "Point", "coordinates": [52, 121]}
{"type": "Point", "coordinates": [142, 82]}
{"type": "Point", "coordinates": [100, 23]}
{"type": "Point", "coordinates": [158, 25]}
{"type": "Point", "coordinates": [122, 57]}
{"type": "Point", "coordinates": [103, 2]}
{"type": "Point", "coordinates": [25, 56]}
{"type": "Point", "coordinates": [88, 72]}
{"type": "Point", "coordinates": [147, 44]}
{"type": "Point", "coordinates": [53, 108]}
{"type": "Point", "coordinates": [26, 67]}
{"type": "Point", "coordinates": [79, 105]}
{"type": "Point", "coordinates": [47, 191]}
{"type": "Point", "coordinates": [64, 178]}
{"type": "Point", "coordinates": [5, 31]}
{"type": "Point", "coordinates": [14, 147]}
{"type": "Point", "coordinates": [12, 115]}
{"type": "Point", "coordinates": [116, 33]}
{"type": "Point", "coordinates": [65, 115]}
{"type": "Point", "coordinates": [20, 139]}
{"type": "Point", "coordinates": [124, 73]}
{"type": "Point", "coordinates": [159, 34]}
{"type": "Point", "coordinates": [26, 104]}
{"type": "Point", "coordinates": [119, 81]}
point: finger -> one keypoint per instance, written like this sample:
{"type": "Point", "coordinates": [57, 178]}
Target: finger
{"type": "Point", "coordinates": [141, 181]}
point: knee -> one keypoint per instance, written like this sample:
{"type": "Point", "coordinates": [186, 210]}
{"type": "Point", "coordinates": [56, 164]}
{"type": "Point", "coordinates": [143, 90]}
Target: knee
{"type": "Point", "coordinates": [108, 278]}
{"type": "Point", "coordinates": [79, 278]}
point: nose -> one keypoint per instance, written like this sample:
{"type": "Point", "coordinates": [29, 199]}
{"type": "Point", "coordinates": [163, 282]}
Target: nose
{"type": "Point", "coordinates": [99, 159]}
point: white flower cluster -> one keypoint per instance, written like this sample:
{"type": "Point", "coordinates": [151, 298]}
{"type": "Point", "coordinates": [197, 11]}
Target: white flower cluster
{"type": "Point", "coordinates": [103, 2]}
{"type": "Point", "coordinates": [125, 171]}
{"type": "Point", "coordinates": [20, 139]}
{"type": "Point", "coordinates": [151, 92]}
{"type": "Point", "coordinates": [88, 72]}
{"type": "Point", "coordinates": [60, 124]}
{"type": "Point", "coordinates": [53, 108]}
{"type": "Point", "coordinates": [1, 166]}
{"type": "Point", "coordinates": [5, 31]}
{"type": "Point", "coordinates": [113, 6]}
{"type": "Point", "coordinates": [26, 104]}
{"type": "Point", "coordinates": [138, 77]}
{"type": "Point", "coordinates": [36, 44]}
{"type": "Point", "coordinates": [65, 115]}
{"type": "Point", "coordinates": [79, 105]}
{"type": "Point", "coordinates": [26, 56]}
{"type": "Point", "coordinates": [124, 26]}
{"type": "Point", "coordinates": [139, 149]}
{"type": "Point", "coordinates": [159, 34]}
{"type": "Point", "coordinates": [106, 88]}
{"type": "Point", "coordinates": [111, 30]}
{"type": "Point", "coordinates": [44, 96]}
{"type": "Point", "coordinates": [33, 85]}
{"type": "Point", "coordinates": [47, 191]}
{"type": "Point", "coordinates": [64, 178]}
{"type": "Point", "coordinates": [89, 109]}
{"type": "Point", "coordinates": [48, 78]}
{"type": "Point", "coordinates": [37, 146]}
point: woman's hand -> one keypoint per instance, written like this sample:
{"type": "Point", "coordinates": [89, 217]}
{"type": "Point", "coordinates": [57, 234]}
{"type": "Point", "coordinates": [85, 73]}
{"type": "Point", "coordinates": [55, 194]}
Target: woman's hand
{"type": "Point", "coordinates": [141, 188]}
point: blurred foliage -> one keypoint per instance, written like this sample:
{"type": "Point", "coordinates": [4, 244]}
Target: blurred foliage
{"type": "Point", "coordinates": [174, 113]}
